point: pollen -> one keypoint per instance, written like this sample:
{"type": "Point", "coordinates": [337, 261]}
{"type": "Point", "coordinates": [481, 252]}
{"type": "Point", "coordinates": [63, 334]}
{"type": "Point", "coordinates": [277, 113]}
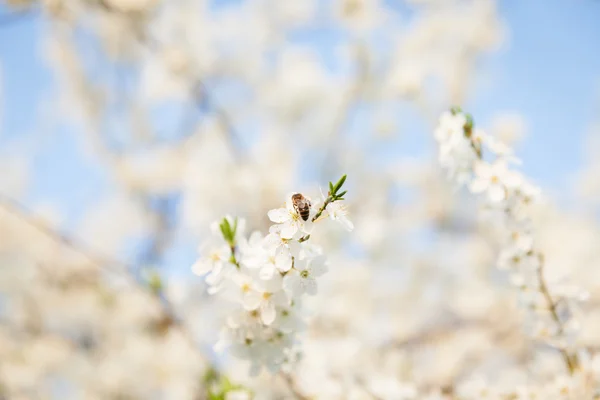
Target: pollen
{"type": "Point", "coordinates": [245, 287]}
{"type": "Point", "coordinates": [267, 295]}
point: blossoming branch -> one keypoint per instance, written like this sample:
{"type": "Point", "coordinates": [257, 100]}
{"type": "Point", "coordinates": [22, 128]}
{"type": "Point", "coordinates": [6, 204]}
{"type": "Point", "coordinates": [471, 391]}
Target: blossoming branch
{"type": "Point", "coordinates": [266, 276]}
{"type": "Point", "coordinates": [463, 150]}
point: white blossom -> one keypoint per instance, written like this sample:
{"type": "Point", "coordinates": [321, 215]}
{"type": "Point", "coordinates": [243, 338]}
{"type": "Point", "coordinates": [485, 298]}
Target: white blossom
{"type": "Point", "coordinates": [337, 211]}
{"type": "Point", "coordinates": [291, 223]}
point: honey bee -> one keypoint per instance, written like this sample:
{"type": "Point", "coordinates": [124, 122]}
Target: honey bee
{"type": "Point", "coordinates": [301, 205]}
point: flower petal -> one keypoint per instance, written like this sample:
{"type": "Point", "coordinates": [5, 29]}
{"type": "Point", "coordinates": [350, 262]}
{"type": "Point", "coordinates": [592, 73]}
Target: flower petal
{"type": "Point", "coordinates": [483, 169]}
{"type": "Point", "coordinates": [292, 283]}
{"type": "Point", "coordinates": [251, 300]}
{"type": "Point", "coordinates": [288, 229]}
{"type": "Point", "coordinates": [294, 248]}
{"type": "Point", "coordinates": [347, 224]}
{"type": "Point", "coordinates": [317, 266]}
{"type": "Point", "coordinates": [279, 215]}
{"type": "Point", "coordinates": [283, 261]}
{"type": "Point", "coordinates": [478, 185]}
{"type": "Point", "coordinates": [310, 286]}
{"type": "Point", "coordinates": [267, 312]}
{"type": "Point", "coordinates": [307, 226]}
{"type": "Point", "coordinates": [496, 193]}
{"type": "Point", "coordinates": [201, 267]}
{"type": "Point", "coordinates": [267, 271]}
{"type": "Point", "coordinates": [272, 285]}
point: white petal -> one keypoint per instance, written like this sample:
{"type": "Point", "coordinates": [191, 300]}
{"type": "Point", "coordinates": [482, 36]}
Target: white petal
{"type": "Point", "coordinates": [483, 170]}
{"type": "Point", "coordinates": [218, 268]}
{"type": "Point", "coordinates": [280, 299]}
{"type": "Point", "coordinates": [201, 267]}
{"type": "Point", "coordinates": [307, 226]}
{"type": "Point", "coordinates": [279, 215]}
{"type": "Point", "coordinates": [267, 271]}
{"type": "Point", "coordinates": [294, 248]}
{"type": "Point", "coordinates": [301, 263]}
{"type": "Point", "coordinates": [221, 346]}
{"type": "Point", "coordinates": [513, 179]}
{"type": "Point", "coordinates": [272, 240]}
{"type": "Point", "coordinates": [289, 204]}
{"type": "Point", "coordinates": [272, 285]}
{"type": "Point", "coordinates": [254, 370]}
{"type": "Point", "coordinates": [347, 224]}
{"type": "Point", "coordinates": [479, 185]}
{"type": "Point", "coordinates": [213, 279]}
{"type": "Point", "coordinates": [292, 283]}
{"type": "Point", "coordinates": [496, 193]}
{"type": "Point", "coordinates": [317, 266]}
{"type": "Point", "coordinates": [255, 238]}
{"type": "Point", "coordinates": [251, 300]}
{"type": "Point", "coordinates": [288, 230]}
{"type": "Point", "coordinates": [213, 290]}
{"type": "Point", "coordinates": [267, 312]}
{"type": "Point", "coordinates": [310, 286]}
{"type": "Point", "coordinates": [283, 261]}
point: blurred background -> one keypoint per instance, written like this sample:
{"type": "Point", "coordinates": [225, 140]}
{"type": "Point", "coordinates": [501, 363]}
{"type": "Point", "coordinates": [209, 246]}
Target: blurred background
{"type": "Point", "coordinates": [128, 126]}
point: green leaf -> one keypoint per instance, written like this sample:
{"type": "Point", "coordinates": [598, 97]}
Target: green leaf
{"type": "Point", "coordinates": [235, 225]}
{"type": "Point", "coordinates": [330, 188]}
{"type": "Point", "coordinates": [228, 231]}
{"type": "Point", "coordinates": [469, 121]}
{"type": "Point", "coordinates": [155, 282]}
{"type": "Point", "coordinates": [455, 110]}
{"type": "Point", "coordinates": [339, 184]}
{"type": "Point", "coordinates": [304, 238]}
{"type": "Point", "coordinates": [223, 231]}
{"type": "Point", "coordinates": [341, 194]}
{"type": "Point", "coordinates": [227, 226]}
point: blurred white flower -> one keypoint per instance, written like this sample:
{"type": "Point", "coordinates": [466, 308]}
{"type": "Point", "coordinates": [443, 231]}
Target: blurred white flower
{"type": "Point", "coordinates": [302, 279]}
{"type": "Point", "coordinates": [291, 222]}
{"type": "Point", "coordinates": [337, 211]}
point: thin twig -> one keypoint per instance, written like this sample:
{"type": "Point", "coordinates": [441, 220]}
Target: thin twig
{"type": "Point", "coordinates": [18, 210]}
{"type": "Point", "coordinates": [21, 212]}
{"type": "Point", "coordinates": [570, 359]}
{"type": "Point", "coordinates": [204, 100]}
{"type": "Point", "coordinates": [293, 386]}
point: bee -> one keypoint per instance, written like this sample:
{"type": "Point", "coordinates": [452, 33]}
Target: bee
{"type": "Point", "coordinates": [301, 205]}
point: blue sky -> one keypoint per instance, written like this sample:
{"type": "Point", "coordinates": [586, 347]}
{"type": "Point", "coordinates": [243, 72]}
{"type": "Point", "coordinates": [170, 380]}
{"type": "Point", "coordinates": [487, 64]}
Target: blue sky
{"type": "Point", "coordinates": [548, 71]}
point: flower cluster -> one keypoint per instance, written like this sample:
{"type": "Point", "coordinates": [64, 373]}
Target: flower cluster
{"type": "Point", "coordinates": [267, 276]}
{"type": "Point", "coordinates": [510, 196]}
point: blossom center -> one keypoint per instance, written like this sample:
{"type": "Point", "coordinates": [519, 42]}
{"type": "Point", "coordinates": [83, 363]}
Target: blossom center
{"type": "Point", "coordinates": [304, 274]}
